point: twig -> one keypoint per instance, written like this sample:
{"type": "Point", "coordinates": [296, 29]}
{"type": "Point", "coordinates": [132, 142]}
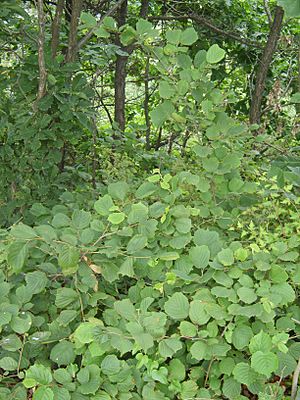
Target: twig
{"type": "Point", "coordinates": [87, 37]}
{"type": "Point", "coordinates": [295, 381]}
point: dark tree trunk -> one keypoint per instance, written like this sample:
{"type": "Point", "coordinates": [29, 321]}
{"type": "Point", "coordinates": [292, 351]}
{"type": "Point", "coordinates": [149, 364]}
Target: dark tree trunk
{"type": "Point", "coordinates": [41, 51]}
{"type": "Point", "coordinates": [56, 27]}
{"type": "Point", "coordinates": [120, 74]}
{"type": "Point", "coordinates": [121, 64]}
{"type": "Point", "coordinates": [72, 40]}
{"type": "Point", "coordinates": [264, 65]}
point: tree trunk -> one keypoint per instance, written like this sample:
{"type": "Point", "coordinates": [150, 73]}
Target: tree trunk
{"type": "Point", "coordinates": [72, 40]}
{"type": "Point", "coordinates": [121, 64]}
{"type": "Point", "coordinates": [120, 74]}
{"type": "Point", "coordinates": [41, 53]}
{"type": "Point", "coordinates": [56, 27]}
{"type": "Point", "coordinates": [264, 65]}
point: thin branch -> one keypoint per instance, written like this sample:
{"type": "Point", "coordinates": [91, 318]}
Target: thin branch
{"type": "Point", "coordinates": [295, 381]}
{"type": "Point", "coordinates": [208, 24]}
{"type": "Point", "coordinates": [87, 37]}
{"type": "Point", "coordinates": [268, 11]}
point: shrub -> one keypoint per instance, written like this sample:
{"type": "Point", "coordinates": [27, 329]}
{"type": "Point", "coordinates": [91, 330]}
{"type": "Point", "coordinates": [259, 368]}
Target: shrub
{"type": "Point", "coordinates": [147, 297]}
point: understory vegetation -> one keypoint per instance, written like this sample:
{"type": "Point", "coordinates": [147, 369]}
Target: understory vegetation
{"type": "Point", "coordinates": [149, 219]}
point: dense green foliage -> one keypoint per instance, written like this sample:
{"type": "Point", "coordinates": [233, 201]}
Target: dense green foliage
{"type": "Point", "coordinates": [159, 261]}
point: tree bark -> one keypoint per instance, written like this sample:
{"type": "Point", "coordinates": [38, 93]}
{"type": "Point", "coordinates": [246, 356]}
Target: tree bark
{"type": "Point", "coordinates": [121, 64]}
{"type": "Point", "coordinates": [120, 74]}
{"type": "Point", "coordinates": [56, 27]}
{"type": "Point", "coordinates": [264, 65]}
{"type": "Point", "coordinates": [41, 51]}
{"type": "Point", "coordinates": [72, 40]}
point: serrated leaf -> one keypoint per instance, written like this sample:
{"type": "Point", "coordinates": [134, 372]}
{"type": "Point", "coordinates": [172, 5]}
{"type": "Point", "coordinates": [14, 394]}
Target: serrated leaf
{"type": "Point", "coordinates": [198, 313]}
{"type": "Point", "coordinates": [118, 190]}
{"type": "Point", "coordinates": [116, 218]}
{"type": "Point", "coordinates": [225, 257]}
{"type": "Point", "coordinates": [103, 205]}
{"type": "Point", "coordinates": [63, 353]}
{"type": "Point", "coordinates": [16, 256]}
{"type": "Point", "coordinates": [231, 388]}
{"type": "Point", "coordinates": [198, 350]}
{"type": "Point", "coordinates": [81, 219]}
{"type": "Point", "coordinates": [177, 307]}
{"type": "Point", "coordinates": [199, 256]}
{"type": "Point", "coordinates": [161, 113]}
{"type": "Point", "coordinates": [8, 364]}
{"type": "Point", "coordinates": [36, 281]}
{"type": "Point", "coordinates": [264, 362]}
{"type": "Point", "coordinates": [68, 259]}
{"type": "Point", "coordinates": [136, 243]}
{"type": "Point", "coordinates": [241, 336]}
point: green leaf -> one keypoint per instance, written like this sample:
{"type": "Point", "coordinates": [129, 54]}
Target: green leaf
{"type": "Point", "coordinates": [198, 350]}
{"type": "Point", "coordinates": [39, 374]}
{"type": "Point", "coordinates": [138, 213]}
{"type": "Point", "coordinates": [23, 232]}
{"type": "Point", "coordinates": [188, 37]}
{"type": "Point", "coordinates": [118, 190]}
{"type": "Point", "coordinates": [81, 219]}
{"type": "Point", "coordinates": [136, 243]}
{"type": "Point", "coordinates": [36, 281]}
{"type": "Point", "coordinates": [173, 36]}
{"type": "Point", "coordinates": [116, 218]}
{"type": "Point", "coordinates": [128, 35]}
{"type": "Point", "coordinates": [243, 373]}
{"type": "Point", "coordinates": [210, 164]}
{"type": "Point", "coordinates": [231, 388]}
{"type": "Point", "coordinates": [67, 316]}
{"type": "Point", "coordinates": [103, 205]}
{"type": "Point", "coordinates": [247, 295]}
{"type": "Point", "coordinates": [110, 365]}
{"type": "Point", "coordinates": [215, 54]}
{"type": "Point", "coordinates": [176, 370]}
{"type": "Point", "coordinates": [126, 309]}
{"type": "Point", "coordinates": [126, 268]}
{"type": "Point", "coordinates": [168, 347]}
{"type": "Point", "coordinates": [260, 342]}
{"type": "Point", "coordinates": [65, 296]}
{"type": "Point", "coordinates": [17, 253]}
{"type": "Point", "coordinates": [21, 324]}
{"type": "Point", "coordinates": [166, 91]}
{"type": "Point", "coordinates": [43, 393]}
{"type": "Point", "coordinates": [8, 364]}
{"type": "Point", "coordinates": [187, 329]}
{"type": "Point", "coordinates": [89, 378]}
{"type": "Point", "coordinates": [183, 225]}
{"type": "Point", "coordinates": [225, 257]}
{"type": "Point", "coordinates": [264, 363]}
{"type": "Point", "coordinates": [177, 307]}
{"type": "Point", "coordinates": [145, 190]}
{"type": "Point", "coordinates": [161, 113]}
{"type": "Point", "coordinates": [198, 313]}
{"type": "Point", "coordinates": [85, 333]}
{"type": "Point", "coordinates": [63, 353]}
{"type": "Point", "coordinates": [199, 256]}
{"type": "Point", "coordinates": [88, 19]}
{"type": "Point", "coordinates": [241, 336]}
{"type": "Point", "coordinates": [68, 259]}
